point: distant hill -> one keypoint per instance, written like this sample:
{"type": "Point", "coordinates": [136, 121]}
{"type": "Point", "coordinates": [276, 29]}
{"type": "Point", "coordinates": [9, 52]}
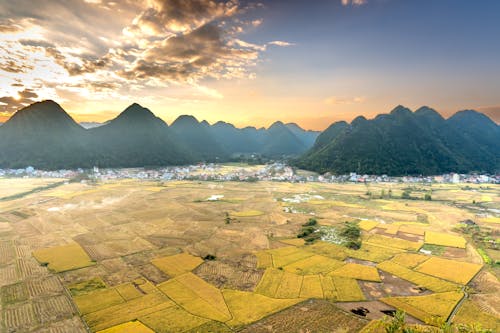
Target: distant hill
{"type": "Point", "coordinates": [90, 124]}
{"type": "Point", "coordinates": [405, 142]}
{"type": "Point", "coordinates": [43, 135]}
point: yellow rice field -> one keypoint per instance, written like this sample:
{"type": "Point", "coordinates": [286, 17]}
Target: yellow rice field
{"type": "Point", "coordinates": [63, 258]}
{"type": "Point", "coordinates": [429, 308]}
{"type": "Point", "coordinates": [367, 225]}
{"type": "Point", "coordinates": [409, 260]}
{"type": "Point", "coordinates": [439, 238]}
{"type": "Point", "coordinates": [451, 270]}
{"type": "Point", "coordinates": [357, 271]}
{"type": "Point", "coordinates": [128, 327]}
{"type": "Point", "coordinates": [427, 281]}
{"type": "Point", "coordinates": [196, 296]}
{"type": "Point", "coordinates": [177, 264]}
{"type": "Point", "coordinates": [246, 307]}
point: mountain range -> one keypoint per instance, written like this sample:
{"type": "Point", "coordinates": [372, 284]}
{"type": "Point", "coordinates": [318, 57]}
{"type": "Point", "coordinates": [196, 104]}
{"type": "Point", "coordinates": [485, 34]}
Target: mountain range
{"type": "Point", "coordinates": [44, 136]}
{"type": "Point", "coordinates": [402, 142]}
{"type": "Point", "coordinates": [407, 143]}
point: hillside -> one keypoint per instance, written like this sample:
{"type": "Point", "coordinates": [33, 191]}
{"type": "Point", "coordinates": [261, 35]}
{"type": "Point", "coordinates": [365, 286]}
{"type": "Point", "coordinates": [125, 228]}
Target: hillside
{"type": "Point", "coordinates": [405, 142]}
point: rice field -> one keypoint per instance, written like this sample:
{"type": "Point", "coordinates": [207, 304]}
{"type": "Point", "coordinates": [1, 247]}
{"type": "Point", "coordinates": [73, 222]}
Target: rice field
{"type": "Point", "coordinates": [197, 297]}
{"type": "Point", "coordinates": [63, 258]}
{"type": "Point", "coordinates": [133, 256]}
{"type": "Point", "coordinates": [128, 327]}
{"type": "Point", "coordinates": [439, 238]}
{"type": "Point", "coordinates": [455, 271]}
{"type": "Point", "coordinates": [358, 272]}
{"type": "Point", "coordinates": [420, 279]}
{"type": "Point", "coordinates": [177, 264]}
{"type": "Point", "coordinates": [247, 307]}
{"type": "Point", "coordinates": [431, 309]}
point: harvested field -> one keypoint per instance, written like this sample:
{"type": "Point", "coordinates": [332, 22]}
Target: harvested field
{"type": "Point", "coordinates": [309, 316]}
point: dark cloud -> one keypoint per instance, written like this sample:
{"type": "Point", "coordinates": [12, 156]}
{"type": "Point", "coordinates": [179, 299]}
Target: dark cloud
{"type": "Point", "coordinates": [181, 15]}
{"type": "Point", "coordinates": [202, 52]}
{"type": "Point", "coordinates": [10, 104]}
{"type": "Point", "coordinates": [10, 26]}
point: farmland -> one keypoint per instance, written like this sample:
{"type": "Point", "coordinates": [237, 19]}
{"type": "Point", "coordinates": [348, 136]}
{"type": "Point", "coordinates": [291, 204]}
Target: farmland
{"type": "Point", "coordinates": [144, 256]}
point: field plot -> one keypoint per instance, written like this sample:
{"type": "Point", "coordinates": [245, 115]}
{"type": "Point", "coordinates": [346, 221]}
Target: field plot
{"type": "Point", "coordinates": [348, 289]}
{"type": "Point", "coordinates": [127, 311]}
{"type": "Point", "coordinates": [451, 270]}
{"type": "Point", "coordinates": [270, 282]}
{"type": "Point", "coordinates": [97, 300]}
{"type": "Point", "coordinates": [428, 308]}
{"type": "Point", "coordinates": [14, 293]}
{"type": "Point", "coordinates": [313, 265]}
{"type": "Point", "coordinates": [424, 280]}
{"type": "Point", "coordinates": [393, 242]}
{"type": "Point", "coordinates": [311, 287]}
{"type": "Point", "coordinates": [87, 286]}
{"type": "Point", "coordinates": [372, 252]}
{"type": "Point", "coordinates": [310, 316]}
{"type": "Point", "coordinates": [247, 213]}
{"type": "Point", "coordinates": [19, 318]}
{"type": "Point", "coordinates": [286, 255]}
{"type": "Point", "coordinates": [367, 225]}
{"type": "Point", "coordinates": [439, 238]}
{"type": "Point", "coordinates": [409, 260]}
{"type": "Point", "coordinates": [229, 275]}
{"type": "Point", "coordinates": [197, 297]}
{"type": "Point", "coordinates": [51, 309]}
{"type": "Point", "coordinates": [327, 250]}
{"type": "Point", "coordinates": [177, 264]}
{"type": "Point", "coordinates": [63, 258]}
{"type": "Point", "coordinates": [469, 313]}
{"type": "Point", "coordinates": [129, 327]}
{"type": "Point", "coordinates": [172, 319]}
{"type": "Point", "coordinates": [246, 307]}
{"type": "Point", "coordinates": [357, 271]}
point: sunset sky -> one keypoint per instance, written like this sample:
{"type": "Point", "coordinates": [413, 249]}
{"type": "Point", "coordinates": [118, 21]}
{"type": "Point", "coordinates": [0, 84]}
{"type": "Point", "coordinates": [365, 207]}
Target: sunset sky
{"type": "Point", "coordinates": [249, 62]}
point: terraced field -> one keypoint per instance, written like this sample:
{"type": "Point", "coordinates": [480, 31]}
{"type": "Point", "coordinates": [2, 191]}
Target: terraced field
{"type": "Point", "coordinates": [142, 256]}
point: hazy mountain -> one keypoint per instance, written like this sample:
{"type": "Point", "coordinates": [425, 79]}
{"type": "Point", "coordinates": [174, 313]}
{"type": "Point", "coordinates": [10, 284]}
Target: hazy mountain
{"type": "Point", "coordinates": [307, 137]}
{"type": "Point", "coordinates": [43, 135]}
{"type": "Point", "coordinates": [137, 138]}
{"type": "Point", "coordinates": [405, 142]}
{"type": "Point", "coordinates": [280, 140]}
{"type": "Point", "coordinates": [197, 138]}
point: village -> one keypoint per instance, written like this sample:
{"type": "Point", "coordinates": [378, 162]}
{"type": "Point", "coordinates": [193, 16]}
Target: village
{"type": "Point", "coordinates": [275, 171]}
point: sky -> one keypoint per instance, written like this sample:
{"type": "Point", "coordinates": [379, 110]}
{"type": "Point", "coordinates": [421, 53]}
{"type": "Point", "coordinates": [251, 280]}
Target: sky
{"type": "Point", "coordinates": [248, 62]}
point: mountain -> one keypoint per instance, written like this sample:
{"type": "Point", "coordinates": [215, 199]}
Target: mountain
{"type": "Point", "coordinates": [136, 138]}
{"type": "Point", "coordinates": [405, 142]}
{"type": "Point", "coordinates": [307, 137]}
{"type": "Point", "coordinates": [197, 138]}
{"type": "Point", "coordinates": [43, 135]}
{"type": "Point", "coordinates": [279, 140]}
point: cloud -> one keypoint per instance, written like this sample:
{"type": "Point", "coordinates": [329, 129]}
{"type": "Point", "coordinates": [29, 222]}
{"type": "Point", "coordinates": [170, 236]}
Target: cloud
{"type": "Point", "coordinates": [77, 50]}
{"type": "Point", "coordinates": [281, 43]}
{"type": "Point", "coordinates": [10, 104]}
{"type": "Point", "coordinates": [354, 2]}
{"type": "Point", "coordinates": [336, 100]}
{"type": "Point", "coordinates": [164, 16]}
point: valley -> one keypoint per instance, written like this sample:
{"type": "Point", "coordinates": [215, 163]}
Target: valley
{"type": "Point", "coordinates": [192, 256]}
